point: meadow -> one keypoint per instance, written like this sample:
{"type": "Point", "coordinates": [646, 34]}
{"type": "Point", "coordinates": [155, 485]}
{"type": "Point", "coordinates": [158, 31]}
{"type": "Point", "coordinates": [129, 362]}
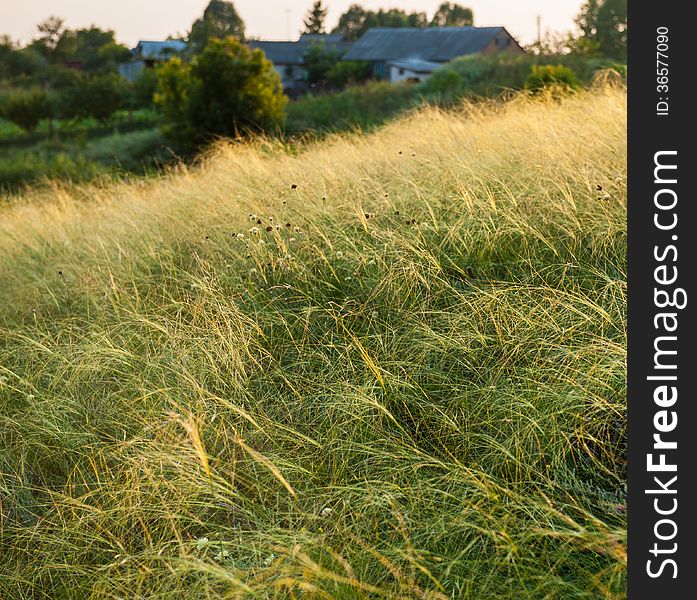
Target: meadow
{"type": "Point", "coordinates": [80, 150]}
{"type": "Point", "coordinates": [383, 365]}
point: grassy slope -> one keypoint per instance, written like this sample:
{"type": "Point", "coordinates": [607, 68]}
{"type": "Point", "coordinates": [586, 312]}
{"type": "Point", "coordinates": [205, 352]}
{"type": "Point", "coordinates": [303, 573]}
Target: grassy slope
{"type": "Point", "coordinates": [417, 393]}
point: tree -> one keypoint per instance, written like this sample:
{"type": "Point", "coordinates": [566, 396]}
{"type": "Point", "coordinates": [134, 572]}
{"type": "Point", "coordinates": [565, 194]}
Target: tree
{"type": "Point", "coordinates": [603, 25]}
{"type": "Point", "coordinates": [314, 23]}
{"type": "Point", "coordinates": [51, 30]}
{"type": "Point", "coordinates": [219, 20]}
{"type": "Point", "coordinates": [228, 90]}
{"type": "Point", "coordinates": [95, 49]}
{"type": "Point", "coordinates": [450, 14]}
{"type": "Point", "coordinates": [318, 61]}
{"type": "Point", "coordinates": [144, 88]}
{"type": "Point", "coordinates": [347, 72]}
{"type": "Point", "coordinates": [26, 107]}
{"type": "Point", "coordinates": [172, 96]}
{"type": "Point", "coordinates": [16, 61]}
{"type": "Point", "coordinates": [351, 24]}
{"type": "Point", "coordinates": [99, 96]}
{"type": "Point", "coordinates": [356, 20]}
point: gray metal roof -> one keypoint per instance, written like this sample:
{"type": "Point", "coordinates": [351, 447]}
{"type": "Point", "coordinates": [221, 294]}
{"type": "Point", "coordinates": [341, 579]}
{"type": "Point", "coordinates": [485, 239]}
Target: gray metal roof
{"type": "Point", "coordinates": [147, 50]}
{"type": "Point", "coordinates": [293, 53]}
{"type": "Point", "coordinates": [437, 44]}
{"type": "Point", "coordinates": [281, 53]}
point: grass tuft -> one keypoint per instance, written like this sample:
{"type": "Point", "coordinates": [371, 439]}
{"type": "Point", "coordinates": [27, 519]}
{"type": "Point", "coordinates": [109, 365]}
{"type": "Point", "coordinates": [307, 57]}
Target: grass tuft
{"type": "Point", "coordinates": [380, 366]}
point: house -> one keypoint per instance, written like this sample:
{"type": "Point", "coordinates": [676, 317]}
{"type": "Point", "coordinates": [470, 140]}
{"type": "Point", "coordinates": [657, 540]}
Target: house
{"type": "Point", "coordinates": [153, 52]}
{"type": "Point", "coordinates": [147, 54]}
{"type": "Point", "coordinates": [404, 53]}
{"type": "Point", "coordinates": [288, 58]}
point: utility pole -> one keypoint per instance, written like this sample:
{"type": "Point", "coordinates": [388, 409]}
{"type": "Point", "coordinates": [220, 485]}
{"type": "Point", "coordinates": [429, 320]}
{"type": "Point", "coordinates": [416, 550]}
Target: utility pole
{"type": "Point", "coordinates": [539, 31]}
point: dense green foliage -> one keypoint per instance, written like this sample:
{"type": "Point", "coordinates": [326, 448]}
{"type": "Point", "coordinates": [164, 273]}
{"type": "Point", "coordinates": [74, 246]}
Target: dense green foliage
{"type": "Point", "coordinates": [603, 26]}
{"type": "Point", "coordinates": [92, 50]}
{"type": "Point", "coordinates": [357, 20]}
{"type": "Point", "coordinates": [220, 20]}
{"type": "Point", "coordinates": [348, 72]}
{"type": "Point", "coordinates": [319, 60]}
{"type": "Point", "coordinates": [544, 77]}
{"type": "Point", "coordinates": [99, 97]}
{"type": "Point", "coordinates": [26, 107]}
{"type": "Point", "coordinates": [227, 90]}
{"type": "Point", "coordinates": [450, 14]}
{"type": "Point", "coordinates": [356, 107]}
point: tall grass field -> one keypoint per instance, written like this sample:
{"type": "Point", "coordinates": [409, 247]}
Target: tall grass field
{"type": "Point", "coordinates": [376, 366]}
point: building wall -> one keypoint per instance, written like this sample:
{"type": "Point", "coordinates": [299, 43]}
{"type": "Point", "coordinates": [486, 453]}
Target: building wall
{"type": "Point", "coordinates": [130, 71]}
{"type": "Point", "coordinates": [397, 74]}
{"type": "Point", "coordinates": [503, 41]}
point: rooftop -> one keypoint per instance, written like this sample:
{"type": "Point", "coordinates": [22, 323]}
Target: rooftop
{"type": "Point", "coordinates": [437, 44]}
{"type": "Point", "coordinates": [149, 49]}
{"type": "Point", "coordinates": [293, 53]}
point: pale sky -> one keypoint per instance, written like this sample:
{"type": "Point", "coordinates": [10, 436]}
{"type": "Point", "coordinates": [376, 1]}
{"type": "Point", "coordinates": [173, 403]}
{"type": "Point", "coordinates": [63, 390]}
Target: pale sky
{"type": "Point", "coordinates": [268, 19]}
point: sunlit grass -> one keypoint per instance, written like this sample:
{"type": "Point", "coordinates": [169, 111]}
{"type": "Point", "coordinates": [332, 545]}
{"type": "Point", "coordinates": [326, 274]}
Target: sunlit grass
{"type": "Point", "coordinates": [381, 366]}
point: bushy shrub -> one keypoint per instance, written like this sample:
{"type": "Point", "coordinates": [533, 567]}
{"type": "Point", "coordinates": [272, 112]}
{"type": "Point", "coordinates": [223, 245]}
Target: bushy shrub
{"type": "Point", "coordinates": [480, 75]}
{"type": "Point", "coordinates": [227, 90]}
{"type": "Point", "coordinates": [26, 107]}
{"type": "Point", "coordinates": [98, 97]}
{"type": "Point", "coordinates": [144, 88]}
{"type": "Point", "coordinates": [319, 61]}
{"type": "Point", "coordinates": [358, 106]}
{"type": "Point", "coordinates": [347, 72]}
{"type": "Point", "coordinates": [544, 77]}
